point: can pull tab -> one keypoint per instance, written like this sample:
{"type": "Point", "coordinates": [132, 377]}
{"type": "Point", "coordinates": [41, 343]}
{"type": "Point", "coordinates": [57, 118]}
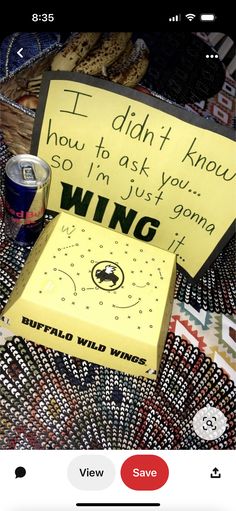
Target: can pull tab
{"type": "Point", "coordinates": [28, 173]}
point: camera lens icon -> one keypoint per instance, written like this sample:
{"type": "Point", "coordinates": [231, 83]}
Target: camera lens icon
{"type": "Point", "coordinates": [209, 423]}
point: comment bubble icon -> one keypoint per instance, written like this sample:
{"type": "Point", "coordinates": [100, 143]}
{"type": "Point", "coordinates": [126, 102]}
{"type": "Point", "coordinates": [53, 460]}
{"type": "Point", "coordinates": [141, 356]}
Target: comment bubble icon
{"type": "Point", "coordinates": [20, 472]}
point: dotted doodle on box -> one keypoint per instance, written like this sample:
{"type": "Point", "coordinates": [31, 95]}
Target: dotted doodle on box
{"type": "Point", "coordinates": [126, 286]}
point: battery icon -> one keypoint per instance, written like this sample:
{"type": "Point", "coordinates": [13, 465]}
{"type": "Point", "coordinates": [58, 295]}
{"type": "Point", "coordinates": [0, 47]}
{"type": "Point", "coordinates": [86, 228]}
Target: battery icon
{"type": "Point", "coordinates": [207, 17]}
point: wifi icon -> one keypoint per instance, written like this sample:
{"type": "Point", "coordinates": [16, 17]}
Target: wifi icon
{"type": "Point", "coordinates": [190, 17]}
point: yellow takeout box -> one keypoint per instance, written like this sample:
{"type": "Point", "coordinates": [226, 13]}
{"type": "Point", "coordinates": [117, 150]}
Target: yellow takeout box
{"type": "Point", "coordinates": [95, 294]}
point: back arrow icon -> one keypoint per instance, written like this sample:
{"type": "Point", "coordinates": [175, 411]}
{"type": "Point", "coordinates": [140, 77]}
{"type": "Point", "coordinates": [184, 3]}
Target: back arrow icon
{"type": "Point", "coordinates": [19, 53]}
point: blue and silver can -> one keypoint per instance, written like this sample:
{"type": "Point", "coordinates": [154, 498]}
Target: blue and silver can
{"type": "Point", "coordinates": [27, 181]}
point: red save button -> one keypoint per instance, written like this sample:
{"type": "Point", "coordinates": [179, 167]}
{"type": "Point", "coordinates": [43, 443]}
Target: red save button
{"type": "Point", "coordinates": [144, 472]}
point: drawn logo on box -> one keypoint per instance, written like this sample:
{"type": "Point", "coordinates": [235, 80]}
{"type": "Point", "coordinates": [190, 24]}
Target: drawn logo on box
{"type": "Point", "coordinates": [107, 275]}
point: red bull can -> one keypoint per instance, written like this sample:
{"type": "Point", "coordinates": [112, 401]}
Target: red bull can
{"type": "Point", "coordinates": [27, 181]}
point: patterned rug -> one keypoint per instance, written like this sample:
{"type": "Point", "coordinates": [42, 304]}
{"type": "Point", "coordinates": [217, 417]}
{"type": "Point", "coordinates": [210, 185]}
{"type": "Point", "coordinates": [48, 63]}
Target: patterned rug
{"type": "Point", "coordinates": [53, 401]}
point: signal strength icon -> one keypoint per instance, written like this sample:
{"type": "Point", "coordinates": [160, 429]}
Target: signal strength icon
{"type": "Point", "coordinates": [177, 17]}
{"type": "Point", "coordinates": [190, 17]}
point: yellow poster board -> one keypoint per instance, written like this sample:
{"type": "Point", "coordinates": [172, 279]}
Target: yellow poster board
{"type": "Point", "coordinates": [137, 165]}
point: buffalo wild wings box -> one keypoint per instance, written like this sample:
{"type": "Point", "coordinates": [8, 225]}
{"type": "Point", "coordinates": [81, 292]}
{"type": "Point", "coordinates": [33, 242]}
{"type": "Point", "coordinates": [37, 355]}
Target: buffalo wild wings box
{"type": "Point", "coordinates": [95, 294]}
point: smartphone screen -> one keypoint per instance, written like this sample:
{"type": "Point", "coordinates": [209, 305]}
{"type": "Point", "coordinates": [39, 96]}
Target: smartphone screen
{"type": "Point", "coordinates": [141, 414]}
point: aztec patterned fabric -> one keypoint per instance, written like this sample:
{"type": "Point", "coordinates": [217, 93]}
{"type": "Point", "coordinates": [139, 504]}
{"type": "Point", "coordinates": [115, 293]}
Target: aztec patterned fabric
{"type": "Point", "coordinates": [53, 401]}
{"type": "Point", "coordinates": [213, 334]}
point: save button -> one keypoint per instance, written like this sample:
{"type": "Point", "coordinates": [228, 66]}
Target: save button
{"type": "Point", "coordinates": [144, 472]}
